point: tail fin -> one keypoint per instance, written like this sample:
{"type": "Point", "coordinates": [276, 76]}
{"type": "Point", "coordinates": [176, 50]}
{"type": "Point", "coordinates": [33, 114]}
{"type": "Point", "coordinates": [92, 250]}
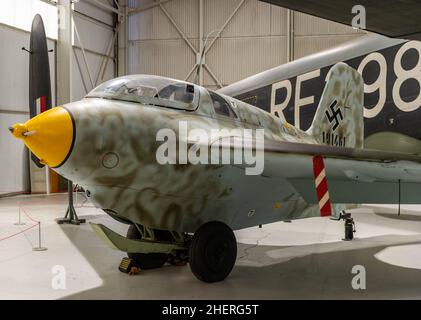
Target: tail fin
{"type": "Point", "coordinates": [339, 117]}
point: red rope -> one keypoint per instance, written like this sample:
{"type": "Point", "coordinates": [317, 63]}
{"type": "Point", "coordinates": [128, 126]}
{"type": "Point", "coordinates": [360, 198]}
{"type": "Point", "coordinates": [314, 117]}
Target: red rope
{"type": "Point", "coordinates": [29, 217]}
{"type": "Point", "coordinates": [22, 231]}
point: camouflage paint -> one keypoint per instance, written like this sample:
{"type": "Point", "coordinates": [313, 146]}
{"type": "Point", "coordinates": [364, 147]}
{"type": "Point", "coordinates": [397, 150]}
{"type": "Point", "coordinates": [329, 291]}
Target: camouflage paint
{"type": "Point", "coordinates": [114, 157]}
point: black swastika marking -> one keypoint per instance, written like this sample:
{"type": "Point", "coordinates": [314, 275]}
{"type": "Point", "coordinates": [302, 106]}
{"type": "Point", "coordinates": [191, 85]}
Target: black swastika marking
{"type": "Point", "coordinates": [335, 115]}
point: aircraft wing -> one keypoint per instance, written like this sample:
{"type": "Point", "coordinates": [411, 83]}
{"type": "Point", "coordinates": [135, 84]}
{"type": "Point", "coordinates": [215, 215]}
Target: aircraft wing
{"type": "Point", "coordinates": [340, 153]}
{"type": "Point", "coordinates": [395, 19]}
{"type": "Point", "coordinates": [353, 175]}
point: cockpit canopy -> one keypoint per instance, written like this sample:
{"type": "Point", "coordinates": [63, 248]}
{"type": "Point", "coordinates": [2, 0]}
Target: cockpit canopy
{"type": "Point", "coordinates": [151, 90]}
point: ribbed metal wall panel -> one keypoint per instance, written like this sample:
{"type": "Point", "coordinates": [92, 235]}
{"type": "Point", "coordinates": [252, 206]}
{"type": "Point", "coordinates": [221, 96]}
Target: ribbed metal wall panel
{"type": "Point", "coordinates": [96, 37]}
{"type": "Point", "coordinates": [252, 19]}
{"type": "Point", "coordinates": [93, 11]}
{"type": "Point", "coordinates": [253, 41]}
{"type": "Point", "coordinates": [14, 83]}
{"type": "Point", "coordinates": [14, 105]}
{"type": "Point", "coordinates": [234, 59]}
{"type": "Point", "coordinates": [305, 45]}
{"type": "Point", "coordinates": [154, 24]}
{"type": "Point", "coordinates": [278, 21]}
{"type": "Point", "coordinates": [151, 24]}
{"type": "Point", "coordinates": [81, 79]}
{"type": "Point", "coordinates": [170, 58]}
{"type": "Point", "coordinates": [13, 168]}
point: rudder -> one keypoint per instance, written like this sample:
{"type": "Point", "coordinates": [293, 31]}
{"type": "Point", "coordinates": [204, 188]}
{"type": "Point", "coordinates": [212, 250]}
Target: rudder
{"type": "Point", "coordinates": [339, 119]}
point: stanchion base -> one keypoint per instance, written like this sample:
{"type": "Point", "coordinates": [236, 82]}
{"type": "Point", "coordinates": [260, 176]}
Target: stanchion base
{"type": "Point", "coordinates": [39, 249]}
{"type": "Point", "coordinates": [70, 221]}
{"type": "Point", "coordinates": [19, 223]}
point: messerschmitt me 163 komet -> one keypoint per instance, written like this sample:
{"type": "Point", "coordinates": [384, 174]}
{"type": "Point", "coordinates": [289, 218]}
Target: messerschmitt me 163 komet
{"type": "Point", "coordinates": [109, 143]}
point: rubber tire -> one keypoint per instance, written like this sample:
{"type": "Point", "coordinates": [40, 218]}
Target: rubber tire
{"type": "Point", "coordinates": [147, 261]}
{"type": "Point", "coordinates": [213, 252]}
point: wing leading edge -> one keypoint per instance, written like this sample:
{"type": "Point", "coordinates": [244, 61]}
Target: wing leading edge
{"type": "Point", "coordinates": [395, 19]}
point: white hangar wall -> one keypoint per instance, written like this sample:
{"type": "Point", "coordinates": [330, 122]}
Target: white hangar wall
{"type": "Point", "coordinates": [15, 24]}
{"type": "Point", "coordinates": [256, 38]}
{"type": "Point", "coordinates": [14, 90]}
{"type": "Point", "coordinates": [95, 28]}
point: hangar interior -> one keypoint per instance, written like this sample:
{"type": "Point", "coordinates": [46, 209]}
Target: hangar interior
{"type": "Point", "coordinates": [239, 38]}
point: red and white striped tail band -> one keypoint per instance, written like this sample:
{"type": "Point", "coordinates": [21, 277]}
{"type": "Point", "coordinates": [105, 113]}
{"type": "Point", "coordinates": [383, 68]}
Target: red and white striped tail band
{"type": "Point", "coordinates": [41, 103]}
{"type": "Point", "coordinates": [322, 191]}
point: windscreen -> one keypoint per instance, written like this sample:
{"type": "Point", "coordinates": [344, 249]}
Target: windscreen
{"type": "Point", "coordinates": [147, 90]}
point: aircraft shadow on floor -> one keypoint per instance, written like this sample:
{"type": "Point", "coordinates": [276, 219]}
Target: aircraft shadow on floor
{"type": "Point", "coordinates": [403, 216]}
{"type": "Point", "coordinates": [315, 271]}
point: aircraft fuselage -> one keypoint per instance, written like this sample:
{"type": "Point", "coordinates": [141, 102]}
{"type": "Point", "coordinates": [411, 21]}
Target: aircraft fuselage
{"type": "Point", "coordinates": [392, 99]}
{"type": "Point", "coordinates": [114, 158]}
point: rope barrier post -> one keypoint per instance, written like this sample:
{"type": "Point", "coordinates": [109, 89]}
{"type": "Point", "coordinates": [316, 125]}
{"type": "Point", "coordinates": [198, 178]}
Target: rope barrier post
{"type": "Point", "coordinates": [39, 248]}
{"type": "Point", "coordinates": [37, 223]}
{"type": "Point", "coordinates": [19, 223]}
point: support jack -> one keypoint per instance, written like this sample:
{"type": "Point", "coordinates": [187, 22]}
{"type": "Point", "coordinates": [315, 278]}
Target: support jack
{"type": "Point", "coordinates": [71, 216]}
{"type": "Point", "coordinates": [349, 226]}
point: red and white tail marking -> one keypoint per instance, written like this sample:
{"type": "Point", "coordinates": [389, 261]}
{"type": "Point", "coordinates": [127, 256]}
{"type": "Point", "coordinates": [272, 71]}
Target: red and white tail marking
{"type": "Point", "coordinates": [320, 181]}
{"type": "Point", "coordinates": [41, 104]}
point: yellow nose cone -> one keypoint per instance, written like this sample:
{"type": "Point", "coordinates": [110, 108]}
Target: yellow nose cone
{"type": "Point", "coordinates": [49, 135]}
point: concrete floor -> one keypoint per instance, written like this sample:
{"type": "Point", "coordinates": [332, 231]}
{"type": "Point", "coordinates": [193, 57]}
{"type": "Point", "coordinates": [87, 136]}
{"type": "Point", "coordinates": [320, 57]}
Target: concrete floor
{"type": "Point", "coordinates": [303, 259]}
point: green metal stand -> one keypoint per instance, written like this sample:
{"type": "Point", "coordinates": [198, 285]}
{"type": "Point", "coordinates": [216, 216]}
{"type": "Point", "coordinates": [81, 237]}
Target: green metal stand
{"type": "Point", "coordinates": [71, 216]}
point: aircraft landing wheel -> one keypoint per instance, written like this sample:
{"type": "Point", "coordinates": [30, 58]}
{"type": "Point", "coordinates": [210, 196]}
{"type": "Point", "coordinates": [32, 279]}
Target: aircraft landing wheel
{"type": "Point", "coordinates": [213, 252]}
{"type": "Point", "coordinates": [148, 260]}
